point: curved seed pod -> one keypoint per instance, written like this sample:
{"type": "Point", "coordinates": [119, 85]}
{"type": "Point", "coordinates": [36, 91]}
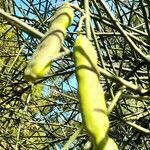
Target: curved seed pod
{"type": "Point", "coordinates": [107, 144]}
{"type": "Point", "coordinates": [91, 95]}
{"type": "Point", "coordinates": [46, 51]}
{"type": "Point", "coordinates": [62, 17]}
{"type": "Point", "coordinates": [110, 145]}
{"type": "Point", "coordinates": [50, 44]}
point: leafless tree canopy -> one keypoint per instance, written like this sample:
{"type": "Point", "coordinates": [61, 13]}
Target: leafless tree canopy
{"type": "Point", "coordinates": [45, 115]}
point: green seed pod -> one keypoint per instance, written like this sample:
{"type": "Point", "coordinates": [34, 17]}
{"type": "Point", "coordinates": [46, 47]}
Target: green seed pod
{"type": "Point", "coordinates": [46, 51]}
{"type": "Point", "coordinates": [62, 17]}
{"type": "Point", "coordinates": [110, 145]}
{"type": "Point", "coordinates": [91, 95]}
{"type": "Point", "coordinates": [106, 144]}
{"type": "Point", "coordinates": [50, 44]}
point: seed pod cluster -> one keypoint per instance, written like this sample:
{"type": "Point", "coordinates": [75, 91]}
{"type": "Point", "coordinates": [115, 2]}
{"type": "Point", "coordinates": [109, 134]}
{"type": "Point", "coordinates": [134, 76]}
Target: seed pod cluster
{"type": "Point", "coordinates": [91, 95]}
{"type": "Point", "coordinates": [50, 44]}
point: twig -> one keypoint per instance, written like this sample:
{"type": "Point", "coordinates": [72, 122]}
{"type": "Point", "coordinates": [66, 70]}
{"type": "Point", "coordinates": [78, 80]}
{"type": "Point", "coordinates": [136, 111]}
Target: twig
{"type": "Point", "coordinates": [20, 24]}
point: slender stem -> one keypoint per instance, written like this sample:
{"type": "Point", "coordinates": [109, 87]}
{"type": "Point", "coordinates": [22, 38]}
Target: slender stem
{"type": "Point", "coordinates": [87, 20]}
{"type": "Point", "coordinates": [20, 24]}
{"type": "Point", "coordinates": [123, 82]}
{"type": "Point", "coordinates": [124, 33]}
